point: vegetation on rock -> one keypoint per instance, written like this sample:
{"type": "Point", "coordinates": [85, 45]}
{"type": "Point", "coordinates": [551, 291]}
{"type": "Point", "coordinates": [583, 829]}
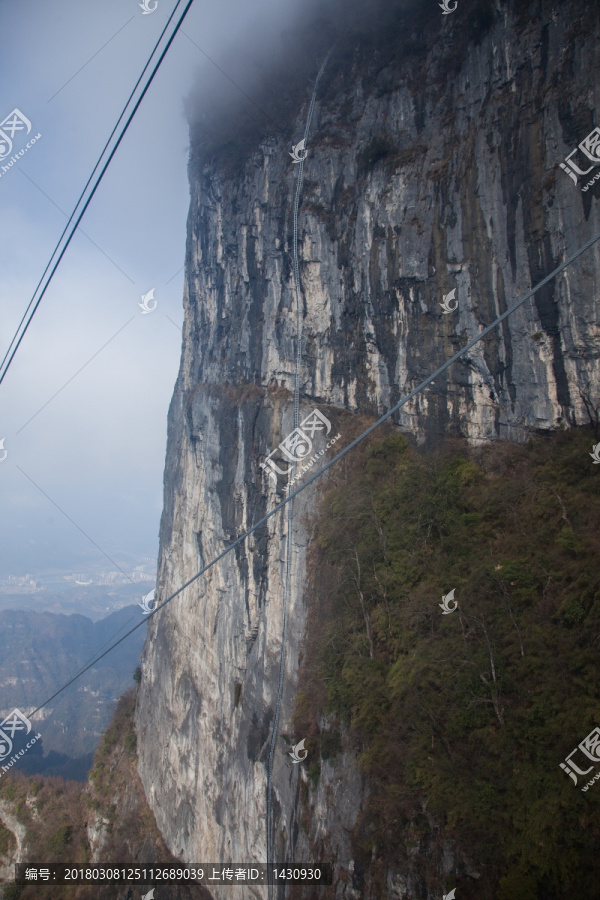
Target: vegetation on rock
{"type": "Point", "coordinates": [61, 817]}
{"type": "Point", "coordinates": [461, 720]}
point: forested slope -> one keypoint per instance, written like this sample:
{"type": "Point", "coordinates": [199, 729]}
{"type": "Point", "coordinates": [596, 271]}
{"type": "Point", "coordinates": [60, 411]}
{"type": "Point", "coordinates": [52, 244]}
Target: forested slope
{"type": "Point", "coordinates": [460, 720]}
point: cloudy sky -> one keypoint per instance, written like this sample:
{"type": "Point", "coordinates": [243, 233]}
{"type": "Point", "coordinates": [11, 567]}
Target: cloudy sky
{"type": "Point", "coordinates": [95, 451]}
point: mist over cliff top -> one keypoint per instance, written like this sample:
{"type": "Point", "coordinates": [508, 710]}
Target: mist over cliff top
{"type": "Point", "coordinates": [276, 64]}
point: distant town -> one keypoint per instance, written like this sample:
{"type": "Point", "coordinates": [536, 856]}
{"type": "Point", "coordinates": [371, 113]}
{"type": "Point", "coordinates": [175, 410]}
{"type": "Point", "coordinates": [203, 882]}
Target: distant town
{"type": "Point", "coordinates": [30, 584]}
{"type": "Point", "coordinates": [90, 591]}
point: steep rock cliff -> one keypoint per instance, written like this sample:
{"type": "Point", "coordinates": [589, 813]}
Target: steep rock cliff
{"type": "Point", "coordinates": [432, 166]}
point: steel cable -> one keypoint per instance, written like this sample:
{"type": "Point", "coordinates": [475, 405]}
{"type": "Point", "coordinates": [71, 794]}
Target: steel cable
{"type": "Point", "coordinates": [27, 315]}
{"type": "Point", "coordinates": [423, 384]}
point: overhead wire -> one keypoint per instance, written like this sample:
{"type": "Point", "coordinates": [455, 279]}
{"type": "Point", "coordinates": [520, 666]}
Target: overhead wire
{"type": "Point", "coordinates": [30, 312]}
{"type": "Point", "coordinates": [320, 472]}
{"type": "Point", "coordinates": [82, 194]}
{"type": "Point", "coordinates": [17, 338]}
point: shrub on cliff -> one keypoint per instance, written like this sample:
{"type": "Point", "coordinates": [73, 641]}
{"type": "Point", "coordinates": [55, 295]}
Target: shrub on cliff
{"type": "Point", "coordinates": [468, 714]}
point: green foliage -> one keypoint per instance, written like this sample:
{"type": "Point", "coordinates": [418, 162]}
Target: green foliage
{"type": "Point", "coordinates": [469, 713]}
{"type": "Point", "coordinates": [57, 814]}
{"type": "Point", "coordinates": [35, 787]}
{"type": "Point", "coordinates": [568, 541]}
{"type": "Point", "coordinates": [58, 841]}
{"type": "Point", "coordinates": [517, 886]}
{"type": "Point", "coordinates": [7, 840]}
{"type": "Point", "coordinates": [137, 675]}
{"type": "Point", "coordinates": [331, 743]}
{"type": "Point", "coordinates": [573, 613]}
{"type": "Point", "coordinates": [8, 789]}
{"type": "Point", "coordinates": [314, 772]}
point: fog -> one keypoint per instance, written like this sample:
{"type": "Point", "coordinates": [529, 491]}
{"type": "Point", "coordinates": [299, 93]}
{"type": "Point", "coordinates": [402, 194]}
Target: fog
{"type": "Point", "coordinates": [85, 449]}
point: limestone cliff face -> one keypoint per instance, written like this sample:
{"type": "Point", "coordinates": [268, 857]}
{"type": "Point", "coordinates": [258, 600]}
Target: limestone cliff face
{"type": "Point", "coordinates": [429, 170]}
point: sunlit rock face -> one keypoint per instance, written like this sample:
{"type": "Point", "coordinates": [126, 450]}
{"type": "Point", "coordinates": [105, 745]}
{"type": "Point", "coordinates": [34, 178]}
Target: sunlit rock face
{"type": "Point", "coordinates": [429, 174]}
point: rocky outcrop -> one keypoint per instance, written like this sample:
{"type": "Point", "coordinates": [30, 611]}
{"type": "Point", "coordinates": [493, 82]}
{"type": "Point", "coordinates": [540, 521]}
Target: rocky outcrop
{"type": "Point", "coordinates": [14, 854]}
{"type": "Point", "coordinates": [432, 167]}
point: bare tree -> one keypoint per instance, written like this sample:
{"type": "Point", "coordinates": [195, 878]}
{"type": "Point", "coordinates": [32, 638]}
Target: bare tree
{"type": "Point", "coordinates": [356, 578]}
{"type": "Point", "coordinates": [506, 597]}
{"type": "Point", "coordinates": [490, 679]}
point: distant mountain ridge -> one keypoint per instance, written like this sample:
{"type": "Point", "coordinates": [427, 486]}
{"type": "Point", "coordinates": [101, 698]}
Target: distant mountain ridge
{"type": "Point", "coordinates": [39, 652]}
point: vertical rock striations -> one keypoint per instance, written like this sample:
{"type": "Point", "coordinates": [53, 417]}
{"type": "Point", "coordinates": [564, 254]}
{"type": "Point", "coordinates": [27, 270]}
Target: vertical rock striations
{"type": "Point", "coordinates": [432, 166]}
